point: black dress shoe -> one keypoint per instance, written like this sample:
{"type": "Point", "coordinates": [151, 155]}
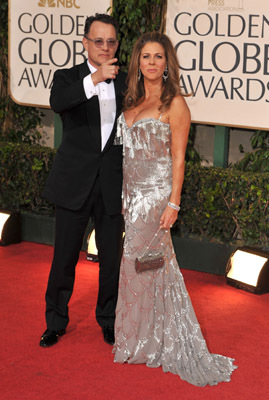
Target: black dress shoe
{"type": "Point", "coordinates": [49, 337]}
{"type": "Point", "coordinates": [108, 334]}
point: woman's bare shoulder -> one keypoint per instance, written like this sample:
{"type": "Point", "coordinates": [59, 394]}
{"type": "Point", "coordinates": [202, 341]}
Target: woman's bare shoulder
{"type": "Point", "coordinates": [179, 108]}
{"type": "Point", "coordinates": [179, 102]}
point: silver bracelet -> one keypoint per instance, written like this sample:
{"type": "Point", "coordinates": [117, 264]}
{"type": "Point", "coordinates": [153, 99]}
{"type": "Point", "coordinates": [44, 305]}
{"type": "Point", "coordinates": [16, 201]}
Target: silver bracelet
{"type": "Point", "coordinates": [174, 206]}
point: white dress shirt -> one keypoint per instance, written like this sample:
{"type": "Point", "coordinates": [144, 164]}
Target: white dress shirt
{"type": "Point", "coordinates": [106, 96]}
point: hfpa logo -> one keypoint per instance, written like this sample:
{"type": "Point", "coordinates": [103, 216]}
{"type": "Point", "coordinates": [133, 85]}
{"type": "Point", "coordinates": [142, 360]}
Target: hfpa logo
{"type": "Point", "coordinates": [58, 3]}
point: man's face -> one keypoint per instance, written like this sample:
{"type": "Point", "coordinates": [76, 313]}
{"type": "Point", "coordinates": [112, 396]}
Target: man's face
{"type": "Point", "coordinates": [99, 55]}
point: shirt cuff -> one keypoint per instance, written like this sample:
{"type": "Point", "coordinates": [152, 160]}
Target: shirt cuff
{"type": "Point", "coordinates": [89, 87]}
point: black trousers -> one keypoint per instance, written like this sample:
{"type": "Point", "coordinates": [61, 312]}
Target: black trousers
{"type": "Point", "coordinates": [69, 233]}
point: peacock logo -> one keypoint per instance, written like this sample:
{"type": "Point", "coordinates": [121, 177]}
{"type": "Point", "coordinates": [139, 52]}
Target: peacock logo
{"type": "Point", "coordinates": [42, 3]}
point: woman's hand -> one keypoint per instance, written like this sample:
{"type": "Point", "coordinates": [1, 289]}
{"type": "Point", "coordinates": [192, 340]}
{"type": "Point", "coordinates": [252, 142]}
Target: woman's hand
{"type": "Point", "coordinates": [168, 218]}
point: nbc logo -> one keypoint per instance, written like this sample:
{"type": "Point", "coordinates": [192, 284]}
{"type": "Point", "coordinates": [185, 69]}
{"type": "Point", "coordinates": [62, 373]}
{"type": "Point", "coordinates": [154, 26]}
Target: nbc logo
{"type": "Point", "coordinates": [58, 3]}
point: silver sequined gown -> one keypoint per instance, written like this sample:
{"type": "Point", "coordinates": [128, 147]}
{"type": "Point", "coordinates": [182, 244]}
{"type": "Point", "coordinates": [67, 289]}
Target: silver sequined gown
{"type": "Point", "coordinates": [155, 321]}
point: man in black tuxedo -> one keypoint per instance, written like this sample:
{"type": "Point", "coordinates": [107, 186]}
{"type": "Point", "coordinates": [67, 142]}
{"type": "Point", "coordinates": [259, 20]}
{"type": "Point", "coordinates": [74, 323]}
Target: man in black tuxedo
{"type": "Point", "coordinates": [86, 176]}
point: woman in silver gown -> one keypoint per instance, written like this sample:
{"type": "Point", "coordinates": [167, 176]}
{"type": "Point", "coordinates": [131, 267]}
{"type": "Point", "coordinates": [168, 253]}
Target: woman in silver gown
{"type": "Point", "coordinates": [155, 321]}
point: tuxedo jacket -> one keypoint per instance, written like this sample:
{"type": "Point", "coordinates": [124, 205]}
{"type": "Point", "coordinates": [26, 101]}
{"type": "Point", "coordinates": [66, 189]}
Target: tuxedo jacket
{"type": "Point", "coordinates": [79, 158]}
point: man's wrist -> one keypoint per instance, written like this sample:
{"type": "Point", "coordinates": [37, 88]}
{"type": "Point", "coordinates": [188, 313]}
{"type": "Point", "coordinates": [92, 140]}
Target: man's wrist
{"type": "Point", "coordinates": [96, 78]}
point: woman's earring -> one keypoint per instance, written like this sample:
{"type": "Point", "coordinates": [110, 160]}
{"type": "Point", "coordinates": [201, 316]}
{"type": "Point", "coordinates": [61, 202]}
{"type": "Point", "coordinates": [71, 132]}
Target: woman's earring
{"type": "Point", "coordinates": [139, 74]}
{"type": "Point", "coordinates": [165, 74]}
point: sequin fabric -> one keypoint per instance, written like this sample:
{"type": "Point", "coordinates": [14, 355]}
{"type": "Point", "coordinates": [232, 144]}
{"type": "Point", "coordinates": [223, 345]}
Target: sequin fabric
{"type": "Point", "coordinates": [155, 321]}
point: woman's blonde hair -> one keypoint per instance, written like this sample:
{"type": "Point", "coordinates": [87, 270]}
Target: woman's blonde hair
{"type": "Point", "coordinates": [170, 88]}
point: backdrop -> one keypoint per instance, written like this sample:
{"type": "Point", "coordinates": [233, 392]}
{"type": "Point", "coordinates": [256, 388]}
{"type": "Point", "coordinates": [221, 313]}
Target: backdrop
{"type": "Point", "coordinates": [45, 35]}
{"type": "Point", "coordinates": [223, 50]}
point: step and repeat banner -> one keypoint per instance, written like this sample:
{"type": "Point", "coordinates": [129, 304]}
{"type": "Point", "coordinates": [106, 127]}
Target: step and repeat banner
{"type": "Point", "coordinates": [222, 46]}
{"type": "Point", "coordinates": [223, 51]}
{"type": "Point", "coordinates": [45, 35]}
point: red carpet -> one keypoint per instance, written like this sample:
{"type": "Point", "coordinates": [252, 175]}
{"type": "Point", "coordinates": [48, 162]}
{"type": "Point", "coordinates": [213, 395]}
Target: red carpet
{"type": "Point", "coordinates": [235, 323]}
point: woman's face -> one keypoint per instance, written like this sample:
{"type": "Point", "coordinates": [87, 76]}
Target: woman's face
{"type": "Point", "coordinates": [152, 61]}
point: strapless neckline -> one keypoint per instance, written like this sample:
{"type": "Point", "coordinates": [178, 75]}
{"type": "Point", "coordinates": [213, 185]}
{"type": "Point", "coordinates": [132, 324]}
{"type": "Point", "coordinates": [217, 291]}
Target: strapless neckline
{"type": "Point", "coordinates": [140, 121]}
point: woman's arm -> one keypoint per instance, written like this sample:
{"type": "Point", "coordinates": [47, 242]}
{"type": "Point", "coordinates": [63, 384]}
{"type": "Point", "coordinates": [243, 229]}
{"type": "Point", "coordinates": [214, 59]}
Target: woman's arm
{"type": "Point", "coordinates": [179, 120]}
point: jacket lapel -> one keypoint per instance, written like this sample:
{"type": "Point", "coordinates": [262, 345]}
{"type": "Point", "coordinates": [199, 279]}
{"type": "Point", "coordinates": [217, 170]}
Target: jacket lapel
{"type": "Point", "coordinates": [92, 111]}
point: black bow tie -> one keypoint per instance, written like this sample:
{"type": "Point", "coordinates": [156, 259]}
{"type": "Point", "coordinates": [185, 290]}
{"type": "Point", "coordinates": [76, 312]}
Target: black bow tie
{"type": "Point", "coordinates": [107, 80]}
